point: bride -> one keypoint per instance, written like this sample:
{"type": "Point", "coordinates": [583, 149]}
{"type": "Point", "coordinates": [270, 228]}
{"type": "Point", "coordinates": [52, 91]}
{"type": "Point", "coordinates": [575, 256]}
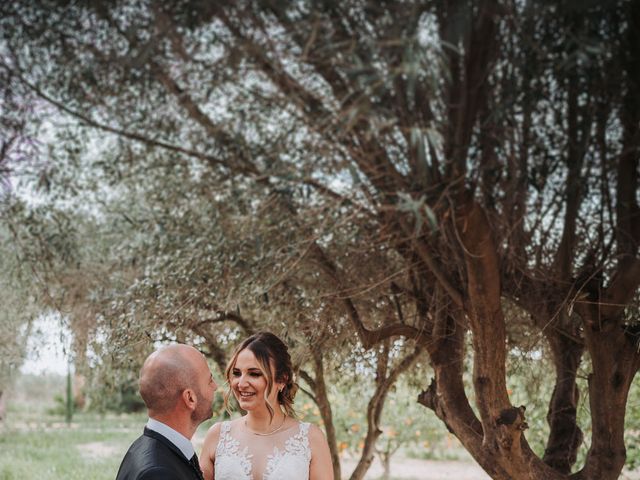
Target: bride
{"type": "Point", "coordinates": [268, 443]}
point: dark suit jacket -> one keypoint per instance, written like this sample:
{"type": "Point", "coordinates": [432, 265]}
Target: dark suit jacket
{"type": "Point", "coordinates": [153, 457]}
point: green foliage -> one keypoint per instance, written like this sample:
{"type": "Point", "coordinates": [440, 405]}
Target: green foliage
{"type": "Point", "coordinates": [61, 408]}
{"type": "Point", "coordinates": [18, 309]}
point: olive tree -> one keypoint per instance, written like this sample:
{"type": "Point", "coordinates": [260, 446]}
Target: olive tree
{"type": "Point", "coordinates": [424, 170]}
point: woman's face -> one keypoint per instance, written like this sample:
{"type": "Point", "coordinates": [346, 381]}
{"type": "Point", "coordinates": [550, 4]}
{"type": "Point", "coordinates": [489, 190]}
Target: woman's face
{"type": "Point", "coordinates": [249, 383]}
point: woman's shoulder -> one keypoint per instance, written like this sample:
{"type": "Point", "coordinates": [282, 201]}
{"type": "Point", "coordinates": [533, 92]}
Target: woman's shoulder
{"type": "Point", "coordinates": [315, 431]}
{"type": "Point", "coordinates": [213, 432]}
{"type": "Point", "coordinates": [216, 429]}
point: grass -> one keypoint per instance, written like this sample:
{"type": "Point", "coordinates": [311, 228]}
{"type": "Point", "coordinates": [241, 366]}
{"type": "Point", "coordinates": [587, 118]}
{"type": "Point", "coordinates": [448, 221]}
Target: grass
{"type": "Point", "coordinates": [48, 449]}
{"type": "Point", "coordinates": [37, 443]}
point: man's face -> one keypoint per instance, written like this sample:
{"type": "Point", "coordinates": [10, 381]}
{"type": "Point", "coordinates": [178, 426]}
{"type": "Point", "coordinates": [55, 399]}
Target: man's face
{"type": "Point", "coordinates": [205, 390]}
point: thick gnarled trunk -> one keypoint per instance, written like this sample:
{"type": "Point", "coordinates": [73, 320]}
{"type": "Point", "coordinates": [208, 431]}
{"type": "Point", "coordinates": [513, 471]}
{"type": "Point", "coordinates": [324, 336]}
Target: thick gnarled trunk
{"type": "Point", "coordinates": [321, 398]}
{"type": "Point", "coordinates": [502, 423]}
{"type": "Point", "coordinates": [615, 360]}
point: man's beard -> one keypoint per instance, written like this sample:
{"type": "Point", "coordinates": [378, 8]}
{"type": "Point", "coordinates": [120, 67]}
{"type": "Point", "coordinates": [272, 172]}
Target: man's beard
{"type": "Point", "coordinates": [203, 411]}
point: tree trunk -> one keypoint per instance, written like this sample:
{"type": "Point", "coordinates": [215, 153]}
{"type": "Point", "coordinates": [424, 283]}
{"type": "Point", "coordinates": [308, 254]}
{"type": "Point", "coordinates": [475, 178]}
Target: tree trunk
{"type": "Point", "coordinates": [376, 404]}
{"type": "Point", "coordinates": [615, 360]}
{"type": "Point", "coordinates": [505, 448]}
{"type": "Point", "coordinates": [374, 412]}
{"type": "Point", "coordinates": [446, 395]}
{"type": "Point", "coordinates": [385, 458]}
{"type": "Point", "coordinates": [565, 436]}
{"type": "Point", "coordinates": [322, 400]}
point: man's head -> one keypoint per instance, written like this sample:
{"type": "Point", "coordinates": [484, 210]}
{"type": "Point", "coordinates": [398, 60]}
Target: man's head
{"type": "Point", "coordinates": [175, 382]}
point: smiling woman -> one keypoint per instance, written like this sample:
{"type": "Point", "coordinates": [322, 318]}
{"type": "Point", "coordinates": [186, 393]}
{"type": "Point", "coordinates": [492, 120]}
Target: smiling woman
{"type": "Point", "coordinates": [260, 369]}
{"type": "Point", "coordinates": [268, 442]}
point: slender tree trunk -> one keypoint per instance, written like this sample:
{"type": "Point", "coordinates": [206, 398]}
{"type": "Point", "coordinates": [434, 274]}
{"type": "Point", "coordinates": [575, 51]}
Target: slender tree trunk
{"type": "Point", "coordinates": [376, 404]}
{"type": "Point", "coordinates": [322, 400]}
{"type": "Point", "coordinates": [565, 436]}
{"type": "Point", "coordinates": [386, 465]}
{"type": "Point", "coordinates": [374, 412]}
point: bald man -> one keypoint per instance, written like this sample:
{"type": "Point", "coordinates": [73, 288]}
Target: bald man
{"type": "Point", "coordinates": [177, 387]}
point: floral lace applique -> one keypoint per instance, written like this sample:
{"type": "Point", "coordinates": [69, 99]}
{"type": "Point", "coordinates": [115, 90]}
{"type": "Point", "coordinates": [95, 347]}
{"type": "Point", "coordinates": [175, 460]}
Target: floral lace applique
{"type": "Point", "coordinates": [296, 455]}
{"type": "Point", "coordinates": [229, 449]}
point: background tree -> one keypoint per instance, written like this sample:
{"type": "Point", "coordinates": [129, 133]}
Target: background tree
{"type": "Point", "coordinates": [16, 318]}
{"type": "Point", "coordinates": [423, 171]}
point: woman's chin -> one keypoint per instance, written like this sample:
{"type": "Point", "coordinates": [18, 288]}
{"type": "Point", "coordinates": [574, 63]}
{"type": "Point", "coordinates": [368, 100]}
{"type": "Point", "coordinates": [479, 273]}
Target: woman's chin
{"type": "Point", "coordinates": [246, 404]}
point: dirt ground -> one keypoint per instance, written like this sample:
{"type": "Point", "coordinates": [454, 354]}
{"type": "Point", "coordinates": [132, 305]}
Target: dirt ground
{"type": "Point", "coordinates": [401, 468]}
{"type": "Point", "coordinates": [408, 468]}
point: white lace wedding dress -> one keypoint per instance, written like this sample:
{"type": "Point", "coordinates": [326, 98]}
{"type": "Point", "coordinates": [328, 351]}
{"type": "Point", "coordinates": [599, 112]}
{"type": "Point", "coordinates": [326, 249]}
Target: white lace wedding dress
{"type": "Point", "coordinates": [242, 455]}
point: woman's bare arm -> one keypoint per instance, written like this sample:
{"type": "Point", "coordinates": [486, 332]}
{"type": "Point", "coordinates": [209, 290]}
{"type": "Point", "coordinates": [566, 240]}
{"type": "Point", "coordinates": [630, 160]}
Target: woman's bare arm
{"type": "Point", "coordinates": [321, 467]}
{"type": "Point", "coordinates": [208, 453]}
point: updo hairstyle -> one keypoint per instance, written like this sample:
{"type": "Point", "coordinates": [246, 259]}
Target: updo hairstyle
{"type": "Point", "coordinates": [274, 360]}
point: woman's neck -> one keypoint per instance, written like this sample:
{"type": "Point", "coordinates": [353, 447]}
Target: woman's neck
{"type": "Point", "coordinates": [259, 421]}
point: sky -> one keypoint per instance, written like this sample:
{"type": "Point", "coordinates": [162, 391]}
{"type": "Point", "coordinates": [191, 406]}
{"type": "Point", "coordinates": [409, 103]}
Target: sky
{"type": "Point", "coordinates": [46, 347]}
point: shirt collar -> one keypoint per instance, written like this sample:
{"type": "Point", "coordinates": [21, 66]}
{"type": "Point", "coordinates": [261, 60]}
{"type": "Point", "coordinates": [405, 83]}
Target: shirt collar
{"type": "Point", "coordinates": [179, 440]}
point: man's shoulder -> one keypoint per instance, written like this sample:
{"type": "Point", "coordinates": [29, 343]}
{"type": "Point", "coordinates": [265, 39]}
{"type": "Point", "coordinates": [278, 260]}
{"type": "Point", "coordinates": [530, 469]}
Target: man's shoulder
{"type": "Point", "coordinates": [151, 448]}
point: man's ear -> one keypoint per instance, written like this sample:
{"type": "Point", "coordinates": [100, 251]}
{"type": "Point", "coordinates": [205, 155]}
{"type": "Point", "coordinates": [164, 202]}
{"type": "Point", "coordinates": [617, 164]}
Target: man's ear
{"type": "Point", "coordinates": [189, 399]}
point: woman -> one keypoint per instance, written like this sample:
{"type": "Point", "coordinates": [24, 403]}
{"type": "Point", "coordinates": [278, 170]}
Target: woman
{"type": "Point", "coordinates": [268, 443]}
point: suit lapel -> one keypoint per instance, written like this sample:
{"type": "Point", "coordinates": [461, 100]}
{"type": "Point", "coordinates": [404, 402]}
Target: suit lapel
{"type": "Point", "coordinates": [165, 441]}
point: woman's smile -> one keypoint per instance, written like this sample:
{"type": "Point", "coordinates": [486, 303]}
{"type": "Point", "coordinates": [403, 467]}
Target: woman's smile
{"type": "Point", "coordinates": [246, 394]}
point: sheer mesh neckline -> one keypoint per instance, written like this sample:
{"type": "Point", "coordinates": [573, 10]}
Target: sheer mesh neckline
{"type": "Point", "coordinates": [242, 455]}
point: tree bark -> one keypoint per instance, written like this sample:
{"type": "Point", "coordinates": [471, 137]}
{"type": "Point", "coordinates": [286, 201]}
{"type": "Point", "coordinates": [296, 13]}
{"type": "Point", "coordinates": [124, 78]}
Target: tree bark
{"type": "Point", "coordinates": [322, 400]}
{"type": "Point", "coordinates": [615, 361]}
{"type": "Point", "coordinates": [502, 424]}
{"type": "Point", "coordinates": [446, 395]}
{"type": "Point", "coordinates": [565, 436]}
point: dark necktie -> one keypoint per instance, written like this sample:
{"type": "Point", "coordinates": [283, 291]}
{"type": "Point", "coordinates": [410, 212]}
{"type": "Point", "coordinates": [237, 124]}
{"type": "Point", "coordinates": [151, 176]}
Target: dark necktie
{"type": "Point", "coordinates": [196, 466]}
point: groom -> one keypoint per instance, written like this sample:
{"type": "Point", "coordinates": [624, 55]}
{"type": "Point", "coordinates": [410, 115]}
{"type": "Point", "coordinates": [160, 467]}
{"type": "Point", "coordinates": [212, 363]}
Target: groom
{"type": "Point", "coordinates": [177, 387]}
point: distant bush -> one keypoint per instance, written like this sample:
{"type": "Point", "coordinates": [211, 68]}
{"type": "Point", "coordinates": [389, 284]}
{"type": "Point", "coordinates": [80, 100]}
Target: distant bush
{"type": "Point", "coordinates": [123, 399]}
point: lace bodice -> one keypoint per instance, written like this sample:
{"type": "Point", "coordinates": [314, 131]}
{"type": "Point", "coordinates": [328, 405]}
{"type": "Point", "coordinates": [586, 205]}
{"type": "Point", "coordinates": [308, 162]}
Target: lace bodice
{"type": "Point", "coordinates": [285, 456]}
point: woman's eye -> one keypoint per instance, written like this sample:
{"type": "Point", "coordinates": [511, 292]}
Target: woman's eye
{"type": "Point", "coordinates": [256, 374]}
{"type": "Point", "coordinates": [236, 373]}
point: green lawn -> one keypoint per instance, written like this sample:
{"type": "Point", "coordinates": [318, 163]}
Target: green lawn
{"type": "Point", "coordinates": [47, 449]}
{"type": "Point", "coordinates": [36, 443]}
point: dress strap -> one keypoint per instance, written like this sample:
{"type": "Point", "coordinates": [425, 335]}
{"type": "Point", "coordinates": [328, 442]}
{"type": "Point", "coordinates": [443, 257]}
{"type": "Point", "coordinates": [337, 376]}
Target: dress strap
{"type": "Point", "coordinates": [299, 444]}
{"type": "Point", "coordinates": [229, 457]}
{"type": "Point", "coordinates": [223, 441]}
